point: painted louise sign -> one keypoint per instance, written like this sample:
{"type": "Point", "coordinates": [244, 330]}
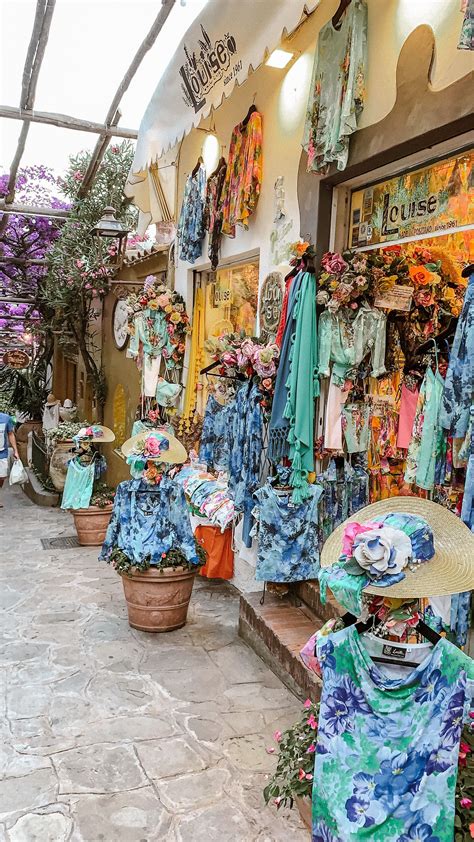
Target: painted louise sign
{"type": "Point", "coordinates": [438, 198]}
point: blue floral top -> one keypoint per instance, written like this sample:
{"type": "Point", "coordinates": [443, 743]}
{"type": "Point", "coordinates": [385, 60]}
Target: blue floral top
{"type": "Point", "coordinates": [147, 521]}
{"type": "Point", "coordinates": [214, 446]}
{"type": "Point", "coordinates": [387, 748]}
{"type": "Point", "coordinates": [191, 219]}
{"type": "Point", "coordinates": [245, 443]}
{"type": "Point", "coordinates": [459, 382]}
{"type": "Point", "coordinates": [288, 547]}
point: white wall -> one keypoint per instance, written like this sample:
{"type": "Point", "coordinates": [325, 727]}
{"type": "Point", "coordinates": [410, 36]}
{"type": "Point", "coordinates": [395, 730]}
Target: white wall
{"type": "Point", "coordinates": [282, 97]}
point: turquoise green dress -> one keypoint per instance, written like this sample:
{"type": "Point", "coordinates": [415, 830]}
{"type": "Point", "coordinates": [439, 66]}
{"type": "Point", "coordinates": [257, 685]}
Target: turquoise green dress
{"type": "Point", "coordinates": [336, 97]}
{"type": "Point", "coordinates": [387, 748]}
{"type": "Point", "coordinates": [79, 485]}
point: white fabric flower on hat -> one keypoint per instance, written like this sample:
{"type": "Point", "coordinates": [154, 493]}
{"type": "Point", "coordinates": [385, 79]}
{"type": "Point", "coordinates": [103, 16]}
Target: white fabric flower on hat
{"type": "Point", "coordinates": [382, 551]}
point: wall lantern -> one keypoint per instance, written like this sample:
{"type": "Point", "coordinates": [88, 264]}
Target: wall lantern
{"type": "Point", "coordinates": [110, 228]}
{"type": "Point", "coordinates": [279, 59]}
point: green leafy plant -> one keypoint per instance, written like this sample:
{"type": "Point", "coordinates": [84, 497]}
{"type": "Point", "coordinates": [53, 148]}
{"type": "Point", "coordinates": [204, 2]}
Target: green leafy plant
{"type": "Point", "coordinates": [464, 818]}
{"type": "Point", "coordinates": [102, 496]}
{"type": "Point", "coordinates": [174, 558]}
{"type": "Point", "coordinates": [65, 431]}
{"type": "Point", "coordinates": [26, 390]}
{"type": "Point", "coordinates": [296, 750]}
{"type": "Point", "coordinates": [79, 267]}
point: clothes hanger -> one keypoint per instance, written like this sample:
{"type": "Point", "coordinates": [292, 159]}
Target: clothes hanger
{"type": "Point", "coordinates": [252, 110]}
{"type": "Point", "coordinates": [198, 164]}
{"type": "Point", "coordinates": [374, 622]}
{"type": "Point", "coordinates": [209, 370]}
{"type": "Point", "coordinates": [222, 163]}
{"type": "Point", "coordinates": [343, 5]}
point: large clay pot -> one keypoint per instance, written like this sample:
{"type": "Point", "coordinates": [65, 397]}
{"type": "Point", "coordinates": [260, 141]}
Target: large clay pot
{"type": "Point", "coordinates": [305, 810]}
{"type": "Point", "coordinates": [21, 436]}
{"type": "Point", "coordinates": [158, 600]}
{"type": "Point", "coordinates": [91, 525]}
{"type": "Point", "coordinates": [60, 456]}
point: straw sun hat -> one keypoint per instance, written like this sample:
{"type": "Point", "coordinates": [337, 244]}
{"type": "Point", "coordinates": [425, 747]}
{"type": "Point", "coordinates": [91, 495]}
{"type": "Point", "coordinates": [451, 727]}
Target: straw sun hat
{"type": "Point", "coordinates": [451, 570]}
{"type": "Point", "coordinates": [98, 434]}
{"type": "Point", "coordinates": [175, 454]}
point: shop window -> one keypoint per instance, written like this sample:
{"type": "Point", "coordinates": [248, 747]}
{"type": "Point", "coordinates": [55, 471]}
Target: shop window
{"type": "Point", "coordinates": [120, 415]}
{"type": "Point", "coordinates": [231, 298]}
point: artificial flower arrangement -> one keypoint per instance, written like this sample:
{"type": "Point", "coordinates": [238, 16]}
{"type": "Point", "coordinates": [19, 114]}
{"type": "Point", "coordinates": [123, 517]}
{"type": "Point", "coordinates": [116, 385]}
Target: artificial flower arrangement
{"type": "Point", "coordinates": [155, 296]}
{"type": "Point", "coordinates": [249, 356]}
{"type": "Point", "coordinates": [438, 289]}
{"type": "Point", "coordinates": [293, 777]}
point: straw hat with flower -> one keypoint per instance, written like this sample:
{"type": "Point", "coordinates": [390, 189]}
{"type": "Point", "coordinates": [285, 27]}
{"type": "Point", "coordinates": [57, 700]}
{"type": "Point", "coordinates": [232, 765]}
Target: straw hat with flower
{"type": "Point", "coordinates": [96, 433]}
{"type": "Point", "coordinates": [155, 445]}
{"type": "Point", "coordinates": [450, 569]}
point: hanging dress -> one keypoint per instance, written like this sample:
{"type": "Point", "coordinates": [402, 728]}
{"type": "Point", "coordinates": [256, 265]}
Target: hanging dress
{"type": "Point", "coordinates": [79, 485]}
{"type": "Point", "coordinates": [422, 450]}
{"type": "Point", "coordinates": [214, 446]}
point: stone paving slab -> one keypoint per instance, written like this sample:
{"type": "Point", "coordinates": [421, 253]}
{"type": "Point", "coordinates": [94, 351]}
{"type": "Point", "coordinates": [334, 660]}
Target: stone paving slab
{"type": "Point", "coordinates": [109, 734]}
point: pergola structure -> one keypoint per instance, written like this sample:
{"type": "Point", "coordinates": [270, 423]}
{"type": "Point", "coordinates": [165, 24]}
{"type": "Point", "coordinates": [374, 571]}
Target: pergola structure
{"type": "Point", "coordinates": [26, 114]}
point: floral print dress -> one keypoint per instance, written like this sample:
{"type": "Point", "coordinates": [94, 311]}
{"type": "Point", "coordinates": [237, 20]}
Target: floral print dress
{"type": "Point", "coordinates": [387, 749]}
{"type": "Point", "coordinates": [244, 175]}
{"type": "Point", "coordinates": [213, 211]}
{"type": "Point", "coordinates": [191, 219]}
{"type": "Point", "coordinates": [336, 97]}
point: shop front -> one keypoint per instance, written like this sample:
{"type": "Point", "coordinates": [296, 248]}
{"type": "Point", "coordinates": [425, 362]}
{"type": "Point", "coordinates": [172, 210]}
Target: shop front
{"type": "Point", "coordinates": [329, 368]}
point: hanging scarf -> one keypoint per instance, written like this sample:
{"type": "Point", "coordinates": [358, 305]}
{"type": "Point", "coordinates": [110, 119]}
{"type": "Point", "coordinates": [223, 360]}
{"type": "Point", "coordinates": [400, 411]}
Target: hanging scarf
{"type": "Point", "coordinates": [195, 359]}
{"type": "Point", "coordinates": [278, 446]}
{"type": "Point", "coordinates": [303, 387]}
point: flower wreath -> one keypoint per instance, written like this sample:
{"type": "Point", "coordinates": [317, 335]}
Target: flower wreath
{"type": "Point", "coordinates": [155, 298]}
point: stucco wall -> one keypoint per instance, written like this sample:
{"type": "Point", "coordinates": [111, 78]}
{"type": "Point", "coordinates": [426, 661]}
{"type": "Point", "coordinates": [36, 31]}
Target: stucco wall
{"type": "Point", "coordinates": [281, 96]}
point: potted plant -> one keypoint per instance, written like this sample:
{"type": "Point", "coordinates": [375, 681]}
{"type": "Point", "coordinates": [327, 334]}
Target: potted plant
{"type": "Point", "coordinates": [60, 441]}
{"type": "Point", "coordinates": [91, 523]}
{"type": "Point", "coordinates": [157, 596]}
{"type": "Point", "coordinates": [292, 782]}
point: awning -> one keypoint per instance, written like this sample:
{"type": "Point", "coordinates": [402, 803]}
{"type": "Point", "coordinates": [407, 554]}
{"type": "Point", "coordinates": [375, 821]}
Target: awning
{"type": "Point", "coordinates": [228, 40]}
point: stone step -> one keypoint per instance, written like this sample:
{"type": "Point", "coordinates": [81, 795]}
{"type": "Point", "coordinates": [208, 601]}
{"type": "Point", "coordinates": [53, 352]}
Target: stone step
{"type": "Point", "coordinates": [37, 493]}
{"type": "Point", "coordinates": [277, 630]}
{"type": "Point", "coordinates": [308, 594]}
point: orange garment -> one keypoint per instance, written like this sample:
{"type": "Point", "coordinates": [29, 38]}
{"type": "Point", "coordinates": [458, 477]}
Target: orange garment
{"type": "Point", "coordinates": [220, 555]}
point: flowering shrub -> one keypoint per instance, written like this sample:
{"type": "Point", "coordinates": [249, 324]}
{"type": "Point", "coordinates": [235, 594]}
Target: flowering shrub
{"type": "Point", "coordinates": [125, 566]}
{"type": "Point", "coordinates": [65, 432]}
{"type": "Point", "coordinates": [103, 495]}
{"type": "Point", "coordinates": [156, 296]}
{"type": "Point", "coordinates": [296, 750]}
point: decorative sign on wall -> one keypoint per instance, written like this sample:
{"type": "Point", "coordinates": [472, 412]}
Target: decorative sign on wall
{"type": "Point", "coordinates": [271, 299]}
{"type": "Point", "coordinates": [437, 198]}
{"type": "Point", "coordinates": [16, 359]}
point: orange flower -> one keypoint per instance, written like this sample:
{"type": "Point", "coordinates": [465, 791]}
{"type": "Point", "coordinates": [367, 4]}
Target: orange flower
{"type": "Point", "coordinates": [420, 275]}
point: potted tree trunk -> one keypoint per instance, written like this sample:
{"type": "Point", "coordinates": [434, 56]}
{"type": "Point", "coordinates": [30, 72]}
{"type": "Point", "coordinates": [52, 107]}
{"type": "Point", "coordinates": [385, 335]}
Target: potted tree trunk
{"type": "Point", "coordinates": [158, 595]}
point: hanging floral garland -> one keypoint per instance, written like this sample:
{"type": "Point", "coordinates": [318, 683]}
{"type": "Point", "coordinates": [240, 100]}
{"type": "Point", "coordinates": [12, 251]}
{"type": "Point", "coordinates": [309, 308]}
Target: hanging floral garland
{"type": "Point", "coordinates": [249, 356]}
{"type": "Point", "coordinates": [437, 287]}
{"type": "Point", "coordinates": [169, 333]}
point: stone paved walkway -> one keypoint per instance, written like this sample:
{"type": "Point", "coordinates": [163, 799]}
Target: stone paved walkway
{"type": "Point", "coordinates": [113, 735]}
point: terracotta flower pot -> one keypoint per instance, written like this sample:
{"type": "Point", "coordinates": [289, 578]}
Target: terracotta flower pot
{"type": "Point", "coordinates": [305, 808]}
{"type": "Point", "coordinates": [58, 463]}
{"type": "Point", "coordinates": [158, 600]}
{"type": "Point", "coordinates": [91, 525]}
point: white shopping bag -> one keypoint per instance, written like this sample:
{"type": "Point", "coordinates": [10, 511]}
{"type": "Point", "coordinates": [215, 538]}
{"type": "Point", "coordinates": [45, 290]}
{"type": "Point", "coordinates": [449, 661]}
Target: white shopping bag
{"type": "Point", "coordinates": [18, 473]}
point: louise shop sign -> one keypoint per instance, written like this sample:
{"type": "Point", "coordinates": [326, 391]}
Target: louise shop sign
{"type": "Point", "coordinates": [435, 199]}
{"type": "Point", "coordinates": [207, 63]}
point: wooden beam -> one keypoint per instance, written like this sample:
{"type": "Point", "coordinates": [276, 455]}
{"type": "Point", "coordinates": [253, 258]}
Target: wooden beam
{"type": "Point", "coordinates": [33, 210]}
{"type": "Point", "coordinates": [11, 299]}
{"type": "Point", "coordinates": [64, 121]}
{"type": "Point", "coordinates": [34, 57]}
{"type": "Point", "coordinates": [103, 140]}
{"type": "Point", "coordinates": [22, 261]}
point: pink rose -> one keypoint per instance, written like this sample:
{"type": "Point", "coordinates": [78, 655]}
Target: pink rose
{"type": "Point", "coordinates": [152, 447]}
{"type": "Point", "coordinates": [351, 532]}
{"type": "Point", "coordinates": [334, 263]}
{"type": "Point", "coordinates": [229, 358]}
{"type": "Point", "coordinates": [163, 300]}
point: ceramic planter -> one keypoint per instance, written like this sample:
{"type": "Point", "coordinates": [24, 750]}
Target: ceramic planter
{"type": "Point", "coordinates": [91, 525]}
{"type": "Point", "coordinates": [58, 463]}
{"type": "Point", "coordinates": [305, 810]}
{"type": "Point", "coordinates": [158, 600]}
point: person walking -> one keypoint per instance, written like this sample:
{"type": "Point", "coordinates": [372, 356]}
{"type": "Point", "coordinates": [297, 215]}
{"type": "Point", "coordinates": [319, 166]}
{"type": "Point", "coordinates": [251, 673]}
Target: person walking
{"type": "Point", "coordinates": [7, 436]}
